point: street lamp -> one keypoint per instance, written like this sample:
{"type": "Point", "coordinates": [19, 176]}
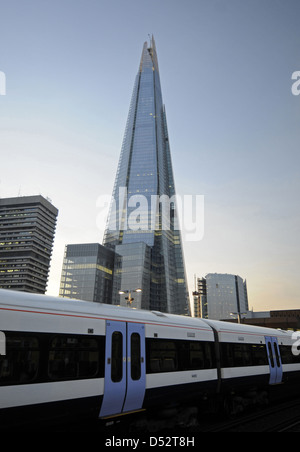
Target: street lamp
{"type": "Point", "coordinates": [129, 299]}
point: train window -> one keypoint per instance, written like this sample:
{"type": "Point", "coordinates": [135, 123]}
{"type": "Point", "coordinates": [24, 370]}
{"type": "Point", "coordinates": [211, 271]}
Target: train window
{"type": "Point", "coordinates": [117, 357]}
{"type": "Point", "coordinates": [259, 355]}
{"type": "Point", "coordinates": [196, 358]}
{"type": "Point", "coordinates": [196, 355]}
{"type": "Point", "coordinates": [73, 357]}
{"type": "Point", "coordinates": [210, 355]}
{"type": "Point", "coordinates": [161, 356]}
{"type": "Point", "coordinates": [287, 355]}
{"type": "Point", "coordinates": [243, 355]}
{"type": "Point", "coordinates": [227, 355]}
{"type": "Point", "coordinates": [164, 355]}
{"type": "Point", "coordinates": [136, 370]}
{"type": "Point", "coordinates": [21, 362]}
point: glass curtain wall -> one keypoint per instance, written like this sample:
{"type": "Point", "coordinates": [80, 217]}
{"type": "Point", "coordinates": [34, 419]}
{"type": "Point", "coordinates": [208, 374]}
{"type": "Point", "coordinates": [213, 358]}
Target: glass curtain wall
{"type": "Point", "coordinates": [144, 172]}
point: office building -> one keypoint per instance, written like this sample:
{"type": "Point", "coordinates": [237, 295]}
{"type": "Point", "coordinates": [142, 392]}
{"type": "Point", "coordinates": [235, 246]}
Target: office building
{"type": "Point", "coordinates": [87, 273]}
{"type": "Point", "coordinates": [137, 215]}
{"type": "Point", "coordinates": [27, 229]}
{"type": "Point", "coordinates": [221, 297]}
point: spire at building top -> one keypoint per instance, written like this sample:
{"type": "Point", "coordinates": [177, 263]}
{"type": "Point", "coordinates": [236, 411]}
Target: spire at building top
{"type": "Point", "coordinates": [149, 50]}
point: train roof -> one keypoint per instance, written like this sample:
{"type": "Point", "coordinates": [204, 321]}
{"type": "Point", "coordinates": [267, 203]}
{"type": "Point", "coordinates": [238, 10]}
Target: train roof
{"type": "Point", "coordinates": [229, 327]}
{"type": "Point", "coordinates": [45, 303]}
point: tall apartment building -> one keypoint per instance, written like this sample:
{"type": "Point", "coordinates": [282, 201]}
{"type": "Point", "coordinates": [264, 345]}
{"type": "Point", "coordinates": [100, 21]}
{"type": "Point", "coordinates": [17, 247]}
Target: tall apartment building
{"type": "Point", "coordinates": [87, 273]}
{"type": "Point", "coordinates": [27, 229]}
{"type": "Point", "coordinates": [221, 297]}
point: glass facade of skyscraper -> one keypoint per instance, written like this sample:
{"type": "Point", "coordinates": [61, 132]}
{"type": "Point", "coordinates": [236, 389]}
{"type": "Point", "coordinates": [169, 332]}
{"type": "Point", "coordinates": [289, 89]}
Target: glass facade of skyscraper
{"type": "Point", "coordinates": [145, 175]}
{"type": "Point", "coordinates": [133, 271]}
{"type": "Point", "coordinates": [87, 273]}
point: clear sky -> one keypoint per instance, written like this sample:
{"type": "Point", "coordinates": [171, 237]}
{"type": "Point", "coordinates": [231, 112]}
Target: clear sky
{"type": "Point", "coordinates": [234, 124]}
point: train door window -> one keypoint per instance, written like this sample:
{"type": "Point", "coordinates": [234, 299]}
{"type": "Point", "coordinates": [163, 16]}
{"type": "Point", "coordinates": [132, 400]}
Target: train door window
{"type": "Point", "coordinates": [271, 355]}
{"type": "Point", "coordinates": [136, 370]}
{"type": "Point", "coordinates": [277, 355]}
{"type": "Point", "coordinates": [21, 363]}
{"type": "Point", "coordinates": [117, 357]}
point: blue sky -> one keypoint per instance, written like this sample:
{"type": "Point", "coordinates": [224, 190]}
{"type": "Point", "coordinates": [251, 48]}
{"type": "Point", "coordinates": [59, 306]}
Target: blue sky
{"type": "Point", "coordinates": [234, 125]}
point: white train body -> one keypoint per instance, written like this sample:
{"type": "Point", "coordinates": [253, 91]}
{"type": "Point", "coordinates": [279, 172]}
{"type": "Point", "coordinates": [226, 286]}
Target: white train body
{"type": "Point", "coordinates": [67, 357]}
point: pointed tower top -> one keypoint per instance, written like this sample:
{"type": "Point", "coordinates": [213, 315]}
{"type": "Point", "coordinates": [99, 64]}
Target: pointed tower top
{"type": "Point", "coordinates": [152, 42]}
{"type": "Point", "coordinates": [149, 49]}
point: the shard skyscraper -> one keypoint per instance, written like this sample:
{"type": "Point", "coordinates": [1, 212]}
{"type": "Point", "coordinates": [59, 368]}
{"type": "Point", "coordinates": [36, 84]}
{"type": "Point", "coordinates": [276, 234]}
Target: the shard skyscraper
{"type": "Point", "coordinates": [142, 224]}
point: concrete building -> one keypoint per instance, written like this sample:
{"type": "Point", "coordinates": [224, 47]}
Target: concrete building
{"type": "Point", "coordinates": [27, 229]}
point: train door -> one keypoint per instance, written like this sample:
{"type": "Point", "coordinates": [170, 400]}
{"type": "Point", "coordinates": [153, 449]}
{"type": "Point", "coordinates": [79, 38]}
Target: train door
{"type": "Point", "coordinates": [136, 367]}
{"type": "Point", "coordinates": [115, 368]}
{"type": "Point", "coordinates": [275, 362]}
{"type": "Point", "coordinates": [125, 369]}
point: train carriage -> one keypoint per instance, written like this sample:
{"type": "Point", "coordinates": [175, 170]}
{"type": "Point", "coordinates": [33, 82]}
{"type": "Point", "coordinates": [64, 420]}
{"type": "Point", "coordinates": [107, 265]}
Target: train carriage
{"type": "Point", "coordinates": [64, 357]}
{"type": "Point", "coordinates": [75, 358]}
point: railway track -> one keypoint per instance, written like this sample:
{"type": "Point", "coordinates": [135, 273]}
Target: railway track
{"type": "Point", "coordinates": [280, 417]}
{"type": "Point", "coordinates": [283, 417]}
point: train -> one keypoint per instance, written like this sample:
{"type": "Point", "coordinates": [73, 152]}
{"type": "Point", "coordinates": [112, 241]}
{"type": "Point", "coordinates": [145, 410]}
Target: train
{"type": "Point", "coordinates": [63, 359]}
